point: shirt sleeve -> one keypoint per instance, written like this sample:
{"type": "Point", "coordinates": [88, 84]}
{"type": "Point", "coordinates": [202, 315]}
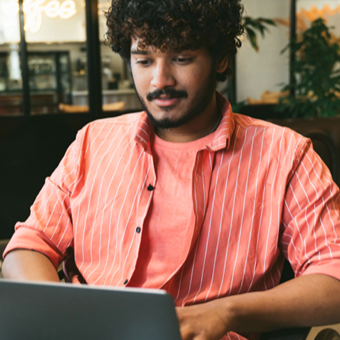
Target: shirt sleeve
{"type": "Point", "coordinates": [49, 229]}
{"type": "Point", "coordinates": [311, 223]}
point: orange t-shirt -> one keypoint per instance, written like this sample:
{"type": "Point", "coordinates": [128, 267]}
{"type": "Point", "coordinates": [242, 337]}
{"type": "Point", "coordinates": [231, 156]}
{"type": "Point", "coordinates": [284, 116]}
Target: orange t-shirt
{"type": "Point", "coordinates": [168, 218]}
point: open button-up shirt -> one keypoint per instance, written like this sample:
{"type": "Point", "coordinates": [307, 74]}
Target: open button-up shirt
{"type": "Point", "coordinates": [260, 195]}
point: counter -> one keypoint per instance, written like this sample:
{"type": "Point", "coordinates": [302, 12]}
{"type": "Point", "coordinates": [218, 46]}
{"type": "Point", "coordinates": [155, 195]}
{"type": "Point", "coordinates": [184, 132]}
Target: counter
{"type": "Point", "coordinates": [129, 96]}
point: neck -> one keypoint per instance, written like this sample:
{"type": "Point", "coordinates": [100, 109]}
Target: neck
{"type": "Point", "coordinates": [197, 128]}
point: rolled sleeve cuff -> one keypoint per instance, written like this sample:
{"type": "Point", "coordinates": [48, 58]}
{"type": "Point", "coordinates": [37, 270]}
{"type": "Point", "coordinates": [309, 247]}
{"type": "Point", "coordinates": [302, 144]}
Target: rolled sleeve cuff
{"type": "Point", "coordinates": [31, 239]}
{"type": "Point", "coordinates": [329, 267]}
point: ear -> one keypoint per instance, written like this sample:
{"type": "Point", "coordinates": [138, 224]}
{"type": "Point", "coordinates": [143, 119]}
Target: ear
{"type": "Point", "coordinates": [222, 66]}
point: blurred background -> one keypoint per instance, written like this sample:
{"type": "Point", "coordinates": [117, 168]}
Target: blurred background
{"type": "Point", "coordinates": [57, 74]}
{"type": "Point", "coordinates": [51, 50]}
{"type": "Point", "coordinates": [54, 44]}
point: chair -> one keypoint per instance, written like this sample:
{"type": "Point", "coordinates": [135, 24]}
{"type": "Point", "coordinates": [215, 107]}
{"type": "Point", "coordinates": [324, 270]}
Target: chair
{"type": "Point", "coordinates": [301, 334]}
{"type": "Point", "coordinates": [328, 334]}
{"type": "Point", "coordinates": [325, 137]}
{"type": "Point", "coordinates": [3, 244]}
{"type": "Point", "coordinates": [325, 147]}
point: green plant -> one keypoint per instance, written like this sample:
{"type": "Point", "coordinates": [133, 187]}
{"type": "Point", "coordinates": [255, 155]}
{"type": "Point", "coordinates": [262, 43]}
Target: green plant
{"type": "Point", "coordinates": [251, 26]}
{"type": "Point", "coordinates": [315, 90]}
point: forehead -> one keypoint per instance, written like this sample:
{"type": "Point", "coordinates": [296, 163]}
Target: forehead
{"type": "Point", "coordinates": [138, 46]}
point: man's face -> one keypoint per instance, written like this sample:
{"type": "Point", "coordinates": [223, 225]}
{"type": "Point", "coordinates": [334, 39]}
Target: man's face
{"type": "Point", "coordinates": [173, 87]}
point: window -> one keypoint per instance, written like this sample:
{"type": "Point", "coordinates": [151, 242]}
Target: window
{"type": "Point", "coordinates": [117, 86]}
{"type": "Point", "coordinates": [11, 93]}
{"type": "Point", "coordinates": [310, 10]}
{"type": "Point", "coordinates": [266, 69]}
{"type": "Point", "coordinates": [56, 64]}
{"type": "Point", "coordinates": [56, 57]}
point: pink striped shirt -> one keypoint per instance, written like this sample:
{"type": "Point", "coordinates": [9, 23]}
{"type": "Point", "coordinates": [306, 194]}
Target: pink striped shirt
{"type": "Point", "coordinates": [260, 194]}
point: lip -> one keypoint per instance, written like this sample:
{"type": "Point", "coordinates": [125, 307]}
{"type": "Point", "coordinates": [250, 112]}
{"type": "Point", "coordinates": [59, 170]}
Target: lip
{"type": "Point", "coordinates": [166, 102]}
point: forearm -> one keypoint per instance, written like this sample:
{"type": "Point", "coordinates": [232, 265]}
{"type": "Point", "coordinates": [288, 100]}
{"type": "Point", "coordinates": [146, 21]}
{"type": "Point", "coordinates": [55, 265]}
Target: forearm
{"type": "Point", "coordinates": [28, 265]}
{"type": "Point", "coordinates": [309, 300]}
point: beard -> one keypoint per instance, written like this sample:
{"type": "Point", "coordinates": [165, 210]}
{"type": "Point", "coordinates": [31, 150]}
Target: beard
{"type": "Point", "coordinates": [199, 103]}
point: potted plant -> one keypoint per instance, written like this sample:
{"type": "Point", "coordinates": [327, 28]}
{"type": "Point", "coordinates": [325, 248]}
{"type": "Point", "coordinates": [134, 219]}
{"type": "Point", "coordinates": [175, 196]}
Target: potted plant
{"type": "Point", "coordinates": [251, 28]}
{"type": "Point", "coordinates": [316, 85]}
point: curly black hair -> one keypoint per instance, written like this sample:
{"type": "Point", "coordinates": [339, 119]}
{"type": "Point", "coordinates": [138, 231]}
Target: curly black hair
{"type": "Point", "coordinates": [176, 25]}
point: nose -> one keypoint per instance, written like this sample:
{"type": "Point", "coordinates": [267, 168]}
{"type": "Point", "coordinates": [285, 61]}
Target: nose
{"type": "Point", "coordinates": [162, 75]}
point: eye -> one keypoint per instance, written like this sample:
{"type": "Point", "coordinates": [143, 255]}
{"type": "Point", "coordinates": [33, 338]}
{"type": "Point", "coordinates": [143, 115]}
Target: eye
{"type": "Point", "coordinates": [183, 60]}
{"type": "Point", "coordinates": [144, 62]}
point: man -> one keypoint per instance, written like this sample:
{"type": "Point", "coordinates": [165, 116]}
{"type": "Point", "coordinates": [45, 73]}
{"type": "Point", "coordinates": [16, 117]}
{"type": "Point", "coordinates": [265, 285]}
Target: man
{"type": "Point", "coordinates": [187, 196]}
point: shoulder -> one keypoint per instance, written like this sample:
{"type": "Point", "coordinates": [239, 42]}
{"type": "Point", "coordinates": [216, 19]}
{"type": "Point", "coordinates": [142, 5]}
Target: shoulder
{"type": "Point", "coordinates": [278, 142]}
{"type": "Point", "coordinates": [128, 120]}
{"type": "Point", "coordinates": [243, 123]}
{"type": "Point", "coordinates": [108, 128]}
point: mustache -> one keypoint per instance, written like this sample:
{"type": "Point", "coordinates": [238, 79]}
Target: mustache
{"type": "Point", "coordinates": [170, 92]}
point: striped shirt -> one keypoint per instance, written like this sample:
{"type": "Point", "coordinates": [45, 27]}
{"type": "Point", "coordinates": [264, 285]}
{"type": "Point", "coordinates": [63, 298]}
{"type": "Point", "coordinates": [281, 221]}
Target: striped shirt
{"type": "Point", "coordinates": [260, 195]}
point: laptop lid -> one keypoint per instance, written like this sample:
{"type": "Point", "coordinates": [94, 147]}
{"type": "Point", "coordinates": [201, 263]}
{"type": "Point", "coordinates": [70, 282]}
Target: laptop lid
{"type": "Point", "coordinates": [49, 311]}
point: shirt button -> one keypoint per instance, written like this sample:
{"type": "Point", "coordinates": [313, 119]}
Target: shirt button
{"type": "Point", "coordinates": [150, 187]}
{"type": "Point", "coordinates": [138, 230]}
{"type": "Point", "coordinates": [126, 281]}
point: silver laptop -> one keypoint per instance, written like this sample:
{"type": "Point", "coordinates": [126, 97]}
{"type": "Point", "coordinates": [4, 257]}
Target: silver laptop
{"type": "Point", "coordinates": [48, 311]}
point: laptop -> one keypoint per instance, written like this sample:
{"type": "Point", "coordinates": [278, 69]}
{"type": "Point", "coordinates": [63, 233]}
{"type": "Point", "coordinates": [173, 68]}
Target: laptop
{"type": "Point", "coordinates": [51, 311]}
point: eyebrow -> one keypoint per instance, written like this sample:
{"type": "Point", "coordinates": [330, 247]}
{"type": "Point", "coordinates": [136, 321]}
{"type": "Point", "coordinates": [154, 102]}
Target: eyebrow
{"type": "Point", "coordinates": [139, 52]}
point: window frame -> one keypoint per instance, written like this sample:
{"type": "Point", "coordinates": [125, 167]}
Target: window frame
{"type": "Point", "coordinates": [93, 60]}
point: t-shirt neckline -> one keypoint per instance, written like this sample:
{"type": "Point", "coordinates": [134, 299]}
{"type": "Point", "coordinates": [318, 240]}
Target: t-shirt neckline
{"type": "Point", "coordinates": [197, 144]}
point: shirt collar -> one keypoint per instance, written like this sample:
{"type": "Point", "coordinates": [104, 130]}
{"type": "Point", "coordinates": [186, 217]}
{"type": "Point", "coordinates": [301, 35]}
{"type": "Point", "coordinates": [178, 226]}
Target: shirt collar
{"type": "Point", "coordinates": [144, 131]}
{"type": "Point", "coordinates": [224, 132]}
{"type": "Point", "coordinates": [221, 137]}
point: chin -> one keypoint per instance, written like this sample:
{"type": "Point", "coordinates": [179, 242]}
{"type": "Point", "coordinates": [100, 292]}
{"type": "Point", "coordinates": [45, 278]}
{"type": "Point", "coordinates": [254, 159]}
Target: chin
{"type": "Point", "coordinates": [164, 121]}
